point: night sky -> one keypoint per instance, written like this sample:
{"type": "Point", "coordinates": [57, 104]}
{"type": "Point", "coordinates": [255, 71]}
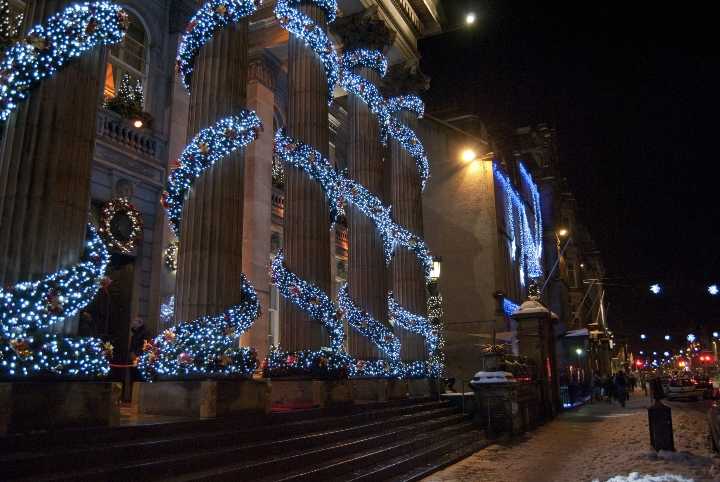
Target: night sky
{"type": "Point", "coordinates": [633, 92]}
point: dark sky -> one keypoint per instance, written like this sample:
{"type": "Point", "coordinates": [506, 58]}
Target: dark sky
{"type": "Point", "coordinates": [633, 92]}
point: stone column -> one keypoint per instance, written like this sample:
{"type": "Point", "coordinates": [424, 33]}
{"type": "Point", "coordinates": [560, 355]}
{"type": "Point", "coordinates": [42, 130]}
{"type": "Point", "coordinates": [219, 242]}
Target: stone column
{"type": "Point", "coordinates": [210, 254]}
{"type": "Point", "coordinates": [367, 277]}
{"type": "Point", "coordinates": [45, 165]}
{"type": "Point", "coordinates": [306, 220]}
{"type": "Point", "coordinates": [536, 341]}
{"type": "Point", "coordinates": [258, 204]}
{"type": "Point", "coordinates": [408, 280]}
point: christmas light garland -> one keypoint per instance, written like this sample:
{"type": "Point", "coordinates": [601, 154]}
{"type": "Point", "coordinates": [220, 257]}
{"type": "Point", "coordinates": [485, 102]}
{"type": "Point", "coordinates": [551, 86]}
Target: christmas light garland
{"type": "Point", "coordinates": [340, 189]}
{"type": "Point", "coordinates": [208, 346]}
{"type": "Point", "coordinates": [323, 363]}
{"type": "Point", "coordinates": [509, 308]}
{"type": "Point", "coordinates": [310, 299]}
{"type": "Point", "coordinates": [48, 48]}
{"type": "Point", "coordinates": [537, 212]}
{"type": "Point", "coordinates": [363, 322]}
{"type": "Point", "coordinates": [413, 323]}
{"type": "Point", "coordinates": [171, 255]}
{"type": "Point", "coordinates": [385, 109]}
{"type": "Point", "coordinates": [518, 226]}
{"type": "Point", "coordinates": [207, 148]}
{"type": "Point", "coordinates": [212, 17]}
{"type": "Point", "coordinates": [305, 28]}
{"type": "Point", "coordinates": [116, 207]}
{"type": "Point", "coordinates": [29, 309]}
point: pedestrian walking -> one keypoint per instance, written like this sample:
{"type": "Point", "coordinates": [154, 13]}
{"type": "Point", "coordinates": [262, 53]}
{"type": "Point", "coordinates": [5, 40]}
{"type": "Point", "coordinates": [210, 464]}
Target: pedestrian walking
{"type": "Point", "coordinates": [621, 385]}
{"type": "Point", "coordinates": [608, 388]}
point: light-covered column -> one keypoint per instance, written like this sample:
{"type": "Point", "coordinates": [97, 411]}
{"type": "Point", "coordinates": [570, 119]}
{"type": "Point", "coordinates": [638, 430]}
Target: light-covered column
{"type": "Point", "coordinates": [45, 163]}
{"type": "Point", "coordinates": [407, 278]}
{"type": "Point", "coordinates": [210, 254]}
{"type": "Point", "coordinates": [306, 220]}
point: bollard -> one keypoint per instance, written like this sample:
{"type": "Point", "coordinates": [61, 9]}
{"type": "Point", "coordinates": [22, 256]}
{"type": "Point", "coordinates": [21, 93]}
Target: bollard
{"type": "Point", "coordinates": [660, 420]}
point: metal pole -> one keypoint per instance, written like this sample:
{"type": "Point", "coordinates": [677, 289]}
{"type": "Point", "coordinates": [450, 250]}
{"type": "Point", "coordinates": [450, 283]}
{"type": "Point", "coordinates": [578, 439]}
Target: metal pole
{"type": "Point", "coordinates": [555, 266]}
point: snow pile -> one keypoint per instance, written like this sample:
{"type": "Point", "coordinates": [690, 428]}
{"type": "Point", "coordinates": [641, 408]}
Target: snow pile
{"type": "Point", "coordinates": [636, 477]}
{"type": "Point", "coordinates": [481, 378]}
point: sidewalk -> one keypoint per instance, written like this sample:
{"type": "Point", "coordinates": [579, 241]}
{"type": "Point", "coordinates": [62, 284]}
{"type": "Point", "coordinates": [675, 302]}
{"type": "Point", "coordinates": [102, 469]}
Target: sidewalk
{"type": "Point", "coordinates": [596, 441]}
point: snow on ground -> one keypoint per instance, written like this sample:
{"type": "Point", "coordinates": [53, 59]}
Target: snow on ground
{"type": "Point", "coordinates": [600, 442]}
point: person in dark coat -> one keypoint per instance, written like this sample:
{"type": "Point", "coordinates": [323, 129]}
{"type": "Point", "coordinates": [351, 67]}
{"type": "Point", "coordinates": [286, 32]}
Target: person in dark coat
{"type": "Point", "coordinates": [138, 337]}
{"type": "Point", "coordinates": [608, 386]}
{"type": "Point", "coordinates": [621, 384]}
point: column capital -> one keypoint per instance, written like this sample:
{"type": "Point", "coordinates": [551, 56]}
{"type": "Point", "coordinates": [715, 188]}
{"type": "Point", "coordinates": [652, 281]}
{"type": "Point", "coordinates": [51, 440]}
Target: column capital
{"type": "Point", "coordinates": [403, 79]}
{"type": "Point", "coordinates": [364, 30]}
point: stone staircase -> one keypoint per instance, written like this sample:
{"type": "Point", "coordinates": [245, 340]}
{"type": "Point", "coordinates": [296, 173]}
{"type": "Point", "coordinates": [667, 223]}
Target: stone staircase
{"type": "Point", "coordinates": [401, 440]}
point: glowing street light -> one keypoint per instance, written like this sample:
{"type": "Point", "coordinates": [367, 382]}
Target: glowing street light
{"type": "Point", "coordinates": [563, 232]}
{"type": "Point", "coordinates": [713, 290]}
{"type": "Point", "coordinates": [579, 351]}
{"type": "Point", "coordinates": [667, 337]}
{"type": "Point", "coordinates": [691, 338]}
{"type": "Point", "coordinates": [468, 155]}
{"type": "Point", "coordinates": [470, 18]}
{"type": "Point", "coordinates": [655, 289]}
{"type": "Point", "coordinates": [642, 352]}
{"type": "Point", "coordinates": [643, 336]}
{"type": "Point", "coordinates": [716, 334]}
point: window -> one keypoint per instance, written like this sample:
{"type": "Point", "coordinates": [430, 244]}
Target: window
{"type": "Point", "coordinates": [274, 315]}
{"type": "Point", "coordinates": [127, 59]}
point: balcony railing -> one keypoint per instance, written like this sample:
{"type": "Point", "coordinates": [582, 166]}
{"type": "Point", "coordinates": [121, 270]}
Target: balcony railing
{"type": "Point", "coordinates": [113, 128]}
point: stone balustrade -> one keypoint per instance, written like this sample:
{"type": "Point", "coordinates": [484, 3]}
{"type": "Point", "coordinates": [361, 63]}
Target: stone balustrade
{"type": "Point", "coordinates": [115, 129]}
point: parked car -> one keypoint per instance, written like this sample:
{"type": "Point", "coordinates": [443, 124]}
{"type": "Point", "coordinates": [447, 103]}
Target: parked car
{"type": "Point", "coordinates": [682, 388]}
{"type": "Point", "coordinates": [714, 422]}
{"type": "Point", "coordinates": [705, 386]}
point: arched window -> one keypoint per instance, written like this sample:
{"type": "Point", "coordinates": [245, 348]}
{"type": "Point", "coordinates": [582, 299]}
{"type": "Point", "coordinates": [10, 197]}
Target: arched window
{"type": "Point", "coordinates": [127, 61]}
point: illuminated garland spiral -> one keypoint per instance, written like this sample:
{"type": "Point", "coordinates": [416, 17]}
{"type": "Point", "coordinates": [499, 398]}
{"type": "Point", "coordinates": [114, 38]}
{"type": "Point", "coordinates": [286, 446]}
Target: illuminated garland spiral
{"type": "Point", "coordinates": [29, 309]}
{"type": "Point", "coordinates": [48, 48]}
{"type": "Point", "coordinates": [340, 190]}
{"type": "Point", "coordinates": [371, 205]}
{"type": "Point", "coordinates": [210, 344]}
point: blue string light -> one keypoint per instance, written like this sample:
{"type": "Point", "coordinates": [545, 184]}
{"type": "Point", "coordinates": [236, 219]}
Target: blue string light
{"type": "Point", "coordinates": [385, 109]}
{"type": "Point", "coordinates": [509, 308]}
{"type": "Point", "coordinates": [372, 329]}
{"type": "Point", "coordinates": [305, 28]}
{"type": "Point", "coordinates": [29, 309]}
{"type": "Point", "coordinates": [212, 17]}
{"type": "Point", "coordinates": [518, 226]}
{"type": "Point", "coordinates": [47, 48]}
{"type": "Point", "coordinates": [207, 346]}
{"type": "Point", "coordinates": [310, 299]}
{"type": "Point", "coordinates": [207, 148]}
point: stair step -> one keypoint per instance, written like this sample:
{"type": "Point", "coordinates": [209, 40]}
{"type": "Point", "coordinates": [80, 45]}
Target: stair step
{"type": "Point", "coordinates": [74, 459]}
{"type": "Point", "coordinates": [439, 463]}
{"type": "Point", "coordinates": [253, 453]}
{"type": "Point", "coordinates": [425, 462]}
{"type": "Point", "coordinates": [273, 467]}
{"type": "Point", "coordinates": [94, 436]}
{"type": "Point", "coordinates": [338, 469]}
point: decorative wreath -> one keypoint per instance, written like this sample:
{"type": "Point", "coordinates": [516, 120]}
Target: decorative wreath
{"type": "Point", "coordinates": [118, 207]}
{"type": "Point", "coordinates": [171, 255]}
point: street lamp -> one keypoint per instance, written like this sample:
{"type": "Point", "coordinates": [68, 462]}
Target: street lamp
{"type": "Point", "coordinates": [713, 290]}
{"type": "Point", "coordinates": [691, 338]}
{"type": "Point", "coordinates": [643, 336]}
{"type": "Point", "coordinates": [470, 18]}
{"type": "Point", "coordinates": [563, 232]}
{"type": "Point", "coordinates": [716, 334]}
{"type": "Point", "coordinates": [667, 337]}
{"type": "Point", "coordinates": [468, 155]}
{"type": "Point", "coordinates": [655, 289]}
{"type": "Point", "coordinates": [579, 351]}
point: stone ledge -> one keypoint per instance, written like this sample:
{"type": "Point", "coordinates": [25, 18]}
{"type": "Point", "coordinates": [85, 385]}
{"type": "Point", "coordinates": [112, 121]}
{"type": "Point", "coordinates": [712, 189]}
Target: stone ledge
{"type": "Point", "coordinates": [201, 398]}
{"type": "Point", "coordinates": [53, 405]}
